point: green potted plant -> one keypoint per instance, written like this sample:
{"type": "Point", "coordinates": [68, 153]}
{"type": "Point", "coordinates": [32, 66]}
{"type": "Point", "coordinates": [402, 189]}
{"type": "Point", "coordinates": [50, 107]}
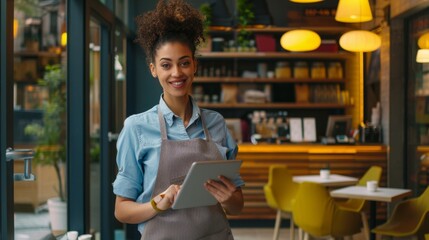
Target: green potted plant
{"type": "Point", "coordinates": [245, 17]}
{"type": "Point", "coordinates": [206, 11]}
{"type": "Point", "coordinates": [50, 134]}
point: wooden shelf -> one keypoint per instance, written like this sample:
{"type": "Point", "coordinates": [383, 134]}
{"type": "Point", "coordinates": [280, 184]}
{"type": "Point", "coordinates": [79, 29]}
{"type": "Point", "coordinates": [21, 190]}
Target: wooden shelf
{"type": "Point", "coordinates": [258, 55]}
{"type": "Point", "coordinates": [264, 80]}
{"type": "Point", "coordinates": [36, 54]}
{"type": "Point", "coordinates": [274, 105]}
{"type": "Point", "coordinates": [275, 29]}
{"type": "Point", "coordinates": [422, 95]}
{"type": "Point", "coordinates": [318, 29]}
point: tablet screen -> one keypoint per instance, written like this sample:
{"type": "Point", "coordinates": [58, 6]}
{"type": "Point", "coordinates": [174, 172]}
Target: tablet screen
{"type": "Point", "coordinates": [193, 193]}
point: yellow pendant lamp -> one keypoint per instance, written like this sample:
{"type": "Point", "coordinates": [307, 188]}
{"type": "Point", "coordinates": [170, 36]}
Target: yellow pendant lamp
{"type": "Point", "coordinates": [360, 41]}
{"type": "Point", "coordinates": [64, 39]}
{"type": "Point", "coordinates": [353, 11]}
{"type": "Point", "coordinates": [15, 27]}
{"type": "Point", "coordinates": [423, 41]}
{"type": "Point", "coordinates": [422, 56]}
{"type": "Point", "coordinates": [300, 40]}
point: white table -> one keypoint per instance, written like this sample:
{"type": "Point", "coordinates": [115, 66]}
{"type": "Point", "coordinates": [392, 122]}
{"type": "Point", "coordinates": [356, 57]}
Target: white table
{"type": "Point", "coordinates": [381, 195]}
{"type": "Point", "coordinates": [334, 180]}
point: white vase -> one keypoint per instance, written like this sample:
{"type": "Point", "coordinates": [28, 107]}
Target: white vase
{"type": "Point", "coordinates": [57, 215]}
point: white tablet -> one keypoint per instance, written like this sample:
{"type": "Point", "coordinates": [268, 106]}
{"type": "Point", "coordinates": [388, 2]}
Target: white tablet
{"type": "Point", "coordinates": [193, 193]}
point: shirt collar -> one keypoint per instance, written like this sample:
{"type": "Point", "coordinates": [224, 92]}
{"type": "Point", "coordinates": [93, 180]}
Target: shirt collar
{"type": "Point", "coordinates": [169, 116]}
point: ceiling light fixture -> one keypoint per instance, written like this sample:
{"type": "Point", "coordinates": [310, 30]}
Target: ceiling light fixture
{"type": "Point", "coordinates": [64, 39]}
{"type": "Point", "coordinates": [360, 41]}
{"type": "Point", "coordinates": [422, 56]}
{"type": "Point", "coordinates": [15, 27]}
{"type": "Point", "coordinates": [353, 11]}
{"type": "Point", "coordinates": [423, 41]}
{"type": "Point", "coordinates": [300, 40]}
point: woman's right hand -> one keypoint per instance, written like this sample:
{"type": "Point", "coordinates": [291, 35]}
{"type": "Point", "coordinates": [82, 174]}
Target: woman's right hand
{"type": "Point", "coordinates": [129, 211]}
{"type": "Point", "coordinates": [169, 196]}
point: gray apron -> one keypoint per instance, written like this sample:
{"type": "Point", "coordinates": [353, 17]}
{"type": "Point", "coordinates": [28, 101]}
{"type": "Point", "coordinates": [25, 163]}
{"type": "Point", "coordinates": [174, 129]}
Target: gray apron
{"type": "Point", "coordinates": [204, 223]}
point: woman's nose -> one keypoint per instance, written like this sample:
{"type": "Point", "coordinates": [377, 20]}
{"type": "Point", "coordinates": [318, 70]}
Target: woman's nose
{"type": "Point", "coordinates": [177, 71]}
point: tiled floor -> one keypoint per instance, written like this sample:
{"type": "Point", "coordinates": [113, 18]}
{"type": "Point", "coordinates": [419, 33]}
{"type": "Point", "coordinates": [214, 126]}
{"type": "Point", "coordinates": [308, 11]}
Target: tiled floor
{"type": "Point", "coordinates": [30, 226]}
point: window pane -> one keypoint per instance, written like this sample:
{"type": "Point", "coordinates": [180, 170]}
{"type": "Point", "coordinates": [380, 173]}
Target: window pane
{"type": "Point", "coordinates": [418, 106]}
{"type": "Point", "coordinates": [121, 10]}
{"type": "Point", "coordinates": [94, 123]}
{"type": "Point", "coordinates": [39, 54]}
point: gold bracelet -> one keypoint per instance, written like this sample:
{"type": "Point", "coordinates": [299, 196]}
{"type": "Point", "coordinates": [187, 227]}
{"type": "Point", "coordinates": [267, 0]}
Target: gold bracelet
{"type": "Point", "coordinates": [154, 203]}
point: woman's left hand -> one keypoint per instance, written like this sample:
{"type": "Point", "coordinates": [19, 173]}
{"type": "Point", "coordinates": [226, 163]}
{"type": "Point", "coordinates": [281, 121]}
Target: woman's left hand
{"type": "Point", "coordinates": [225, 192]}
{"type": "Point", "coordinates": [222, 190]}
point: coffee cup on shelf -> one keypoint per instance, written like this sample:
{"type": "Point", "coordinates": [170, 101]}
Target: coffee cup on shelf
{"type": "Point", "coordinates": [324, 173]}
{"type": "Point", "coordinates": [372, 186]}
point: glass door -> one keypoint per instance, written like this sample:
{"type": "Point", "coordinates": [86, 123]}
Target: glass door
{"type": "Point", "coordinates": [94, 124]}
{"type": "Point", "coordinates": [6, 99]}
{"type": "Point", "coordinates": [31, 52]}
{"type": "Point", "coordinates": [417, 127]}
{"type": "Point", "coordinates": [107, 85]}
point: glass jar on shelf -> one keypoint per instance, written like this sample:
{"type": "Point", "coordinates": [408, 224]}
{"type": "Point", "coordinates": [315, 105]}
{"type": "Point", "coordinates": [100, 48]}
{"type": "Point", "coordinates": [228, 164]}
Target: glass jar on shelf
{"type": "Point", "coordinates": [283, 70]}
{"type": "Point", "coordinates": [300, 70]}
{"type": "Point", "coordinates": [335, 70]}
{"type": "Point", "coordinates": [318, 70]}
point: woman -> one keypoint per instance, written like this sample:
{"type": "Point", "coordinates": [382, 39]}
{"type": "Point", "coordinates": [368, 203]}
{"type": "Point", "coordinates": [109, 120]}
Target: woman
{"type": "Point", "coordinates": [157, 147]}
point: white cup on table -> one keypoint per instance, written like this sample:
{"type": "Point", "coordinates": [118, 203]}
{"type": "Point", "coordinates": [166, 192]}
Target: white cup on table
{"type": "Point", "coordinates": [372, 186]}
{"type": "Point", "coordinates": [324, 173]}
{"type": "Point", "coordinates": [85, 237]}
{"type": "Point", "coordinates": [72, 235]}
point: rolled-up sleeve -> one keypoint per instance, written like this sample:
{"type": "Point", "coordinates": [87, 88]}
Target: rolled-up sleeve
{"type": "Point", "coordinates": [129, 180]}
{"type": "Point", "coordinates": [232, 152]}
{"type": "Point", "coordinates": [231, 145]}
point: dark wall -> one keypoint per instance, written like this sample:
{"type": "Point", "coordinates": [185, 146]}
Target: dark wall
{"type": "Point", "coordinates": [147, 89]}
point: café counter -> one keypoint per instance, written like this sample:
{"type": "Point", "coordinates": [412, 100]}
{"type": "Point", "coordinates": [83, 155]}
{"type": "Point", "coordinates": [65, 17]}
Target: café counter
{"type": "Point", "coordinates": [301, 159]}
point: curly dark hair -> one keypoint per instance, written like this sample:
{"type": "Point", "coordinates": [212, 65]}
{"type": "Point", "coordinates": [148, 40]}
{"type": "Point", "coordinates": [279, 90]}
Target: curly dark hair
{"type": "Point", "coordinates": [172, 21]}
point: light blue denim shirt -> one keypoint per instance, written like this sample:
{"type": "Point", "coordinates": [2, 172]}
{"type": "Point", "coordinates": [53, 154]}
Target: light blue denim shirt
{"type": "Point", "coordinates": [139, 147]}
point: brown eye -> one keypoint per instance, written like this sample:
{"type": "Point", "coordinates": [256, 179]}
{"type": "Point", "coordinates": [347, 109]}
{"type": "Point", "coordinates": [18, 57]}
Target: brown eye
{"type": "Point", "coordinates": [186, 64]}
{"type": "Point", "coordinates": [165, 65]}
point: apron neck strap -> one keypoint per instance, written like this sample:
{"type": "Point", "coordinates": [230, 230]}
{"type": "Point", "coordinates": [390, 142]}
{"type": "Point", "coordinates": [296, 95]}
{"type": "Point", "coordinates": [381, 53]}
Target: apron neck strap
{"type": "Point", "coordinates": [206, 131]}
{"type": "Point", "coordinates": [163, 128]}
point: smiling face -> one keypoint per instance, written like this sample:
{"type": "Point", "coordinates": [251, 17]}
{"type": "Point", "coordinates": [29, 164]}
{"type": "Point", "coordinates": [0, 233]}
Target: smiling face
{"type": "Point", "coordinates": [174, 66]}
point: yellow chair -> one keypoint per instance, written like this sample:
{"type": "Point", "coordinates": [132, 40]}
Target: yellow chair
{"type": "Point", "coordinates": [317, 214]}
{"type": "Point", "coordinates": [357, 205]}
{"type": "Point", "coordinates": [280, 192]}
{"type": "Point", "coordinates": [427, 237]}
{"type": "Point", "coordinates": [409, 218]}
